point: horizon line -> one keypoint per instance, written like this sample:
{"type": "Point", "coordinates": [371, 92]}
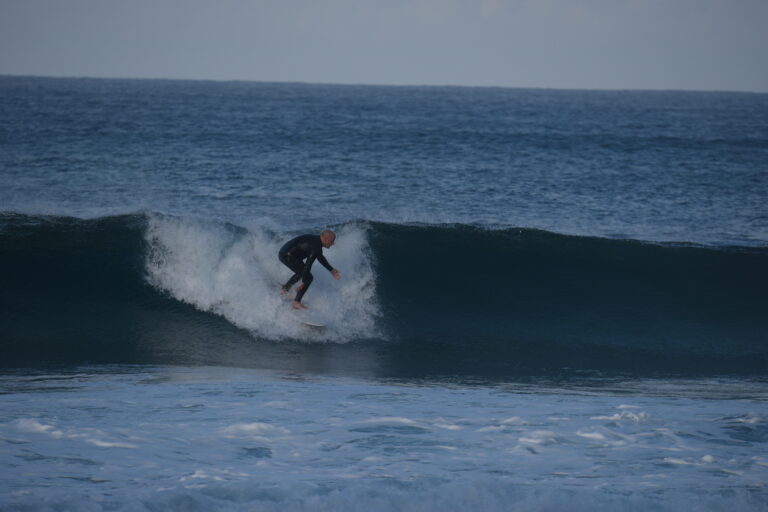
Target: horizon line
{"type": "Point", "coordinates": [393, 85]}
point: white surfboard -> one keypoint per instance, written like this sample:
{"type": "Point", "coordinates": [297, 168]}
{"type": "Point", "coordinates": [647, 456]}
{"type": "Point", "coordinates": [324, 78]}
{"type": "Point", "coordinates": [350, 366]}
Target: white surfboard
{"type": "Point", "coordinates": [311, 323]}
{"type": "Point", "coordinates": [308, 318]}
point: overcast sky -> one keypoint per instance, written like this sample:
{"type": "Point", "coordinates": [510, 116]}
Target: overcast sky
{"type": "Point", "coordinates": [596, 44]}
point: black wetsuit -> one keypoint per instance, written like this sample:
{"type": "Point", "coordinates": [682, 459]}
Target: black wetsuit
{"type": "Point", "coordinates": [293, 254]}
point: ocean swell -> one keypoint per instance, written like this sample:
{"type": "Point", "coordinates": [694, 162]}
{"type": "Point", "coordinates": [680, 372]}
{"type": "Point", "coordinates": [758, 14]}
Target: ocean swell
{"type": "Point", "coordinates": [413, 300]}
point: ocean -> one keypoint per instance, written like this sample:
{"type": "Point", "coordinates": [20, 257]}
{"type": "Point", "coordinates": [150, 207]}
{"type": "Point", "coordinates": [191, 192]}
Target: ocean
{"type": "Point", "coordinates": [550, 300]}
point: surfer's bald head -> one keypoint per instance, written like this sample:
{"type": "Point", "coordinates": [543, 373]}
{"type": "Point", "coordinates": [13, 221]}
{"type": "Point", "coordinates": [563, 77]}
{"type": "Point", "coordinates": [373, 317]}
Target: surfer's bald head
{"type": "Point", "coordinates": [327, 238]}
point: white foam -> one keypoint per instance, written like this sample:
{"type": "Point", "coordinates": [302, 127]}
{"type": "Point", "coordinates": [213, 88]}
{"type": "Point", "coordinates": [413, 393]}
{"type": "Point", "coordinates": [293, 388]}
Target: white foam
{"type": "Point", "coordinates": [235, 273]}
{"type": "Point", "coordinates": [390, 419]}
{"type": "Point", "coordinates": [539, 437]}
{"type": "Point", "coordinates": [33, 426]}
{"type": "Point", "coordinates": [448, 426]}
{"type": "Point", "coordinates": [264, 441]}
{"type": "Point", "coordinates": [624, 416]}
{"type": "Point", "coordinates": [106, 444]}
{"type": "Point", "coordinates": [595, 436]}
{"type": "Point", "coordinates": [254, 429]}
{"type": "Point", "coordinates": [514, 420]}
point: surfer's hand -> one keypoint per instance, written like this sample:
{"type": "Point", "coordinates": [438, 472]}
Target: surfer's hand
{"type": "Point", "coordinates": [336, 274]}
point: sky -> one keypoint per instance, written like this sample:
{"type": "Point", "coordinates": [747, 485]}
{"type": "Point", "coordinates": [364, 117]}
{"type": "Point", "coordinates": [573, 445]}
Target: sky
{"type": "Point", "coordinates": [563, 44]}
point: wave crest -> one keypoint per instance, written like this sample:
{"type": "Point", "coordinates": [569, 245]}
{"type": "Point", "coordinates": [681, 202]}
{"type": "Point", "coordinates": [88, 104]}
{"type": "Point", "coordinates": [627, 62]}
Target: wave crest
{"type": "Point", "coordinates": [413, 300]}
{"type": "Point", "coordinates": [235, 273]}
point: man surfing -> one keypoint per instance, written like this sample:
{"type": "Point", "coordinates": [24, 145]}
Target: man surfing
{"type": "Point", "coordinates": [298, 255]}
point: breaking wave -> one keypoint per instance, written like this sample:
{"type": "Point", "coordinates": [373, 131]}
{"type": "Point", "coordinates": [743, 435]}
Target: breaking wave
{"type": "Point", "coordinates": [413, 299]}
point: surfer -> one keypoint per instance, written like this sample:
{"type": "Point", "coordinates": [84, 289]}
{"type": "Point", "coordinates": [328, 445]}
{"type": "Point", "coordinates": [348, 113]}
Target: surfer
{"type": "Point", "coordinates": [298, 255]}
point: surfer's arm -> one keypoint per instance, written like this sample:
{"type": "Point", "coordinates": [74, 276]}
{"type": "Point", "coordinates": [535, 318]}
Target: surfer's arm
{"type": "Point", "coordinates": [324, 262]}
{"type": "Point", "coordinates": [336, 274]}
{"type": "Point", "coordinates": [316, 255]}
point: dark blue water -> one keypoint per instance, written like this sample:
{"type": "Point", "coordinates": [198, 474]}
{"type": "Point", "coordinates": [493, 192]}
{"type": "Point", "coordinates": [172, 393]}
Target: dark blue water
{"type": "Point", "coordinates": [671, 166]}
{"type": "Point", "coordinates": [491, 217]}
{"type": "Point", "coordinates": [450, 301]}
{"type": "Point", "coordinates": [550, 300]}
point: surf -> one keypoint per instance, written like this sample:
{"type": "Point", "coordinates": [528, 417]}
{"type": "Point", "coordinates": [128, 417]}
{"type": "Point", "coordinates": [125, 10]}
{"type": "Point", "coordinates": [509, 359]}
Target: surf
{"type": "Point", "coordinates": [414, 299]}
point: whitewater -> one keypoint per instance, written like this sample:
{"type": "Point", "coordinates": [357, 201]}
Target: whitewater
{"type": "Point", "coordinates": [202, 438]}
{"type": "Point", "coordinates": [550, 300]}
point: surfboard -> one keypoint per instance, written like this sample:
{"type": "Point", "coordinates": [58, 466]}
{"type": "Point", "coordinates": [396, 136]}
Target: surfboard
{"type": "Point", "coordinates": [308, 319]}
{"type": "Point", "coordinates": [311, 323]}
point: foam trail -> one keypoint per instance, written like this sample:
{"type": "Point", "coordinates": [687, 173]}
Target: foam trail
{"type": "Point", "coordinates": [235, 273]}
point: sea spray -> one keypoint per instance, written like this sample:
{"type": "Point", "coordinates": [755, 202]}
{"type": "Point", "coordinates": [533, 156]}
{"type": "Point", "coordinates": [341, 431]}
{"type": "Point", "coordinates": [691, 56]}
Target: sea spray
{"type": "Point", "coordinates": [235, 273]}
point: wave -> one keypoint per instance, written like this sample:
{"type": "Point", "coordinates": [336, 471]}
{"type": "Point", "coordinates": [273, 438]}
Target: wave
{"type": "Point", "coordinates": [414, 300]}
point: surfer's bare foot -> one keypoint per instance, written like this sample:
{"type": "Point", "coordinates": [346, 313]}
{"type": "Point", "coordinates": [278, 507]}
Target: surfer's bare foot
{"type": "Point", "coordinates": [283, 292]}
{"type": "Point", "coordinates": [298, 305]}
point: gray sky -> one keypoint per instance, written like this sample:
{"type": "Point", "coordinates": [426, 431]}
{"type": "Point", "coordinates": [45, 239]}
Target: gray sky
{"type": "Point", "coordinates": [596, 44]}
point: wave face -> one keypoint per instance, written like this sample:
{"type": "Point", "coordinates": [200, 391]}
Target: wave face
{"type": "Point", "coordinates": [554, 301]}
{"type": "Point", "coordinates": [413, 300]}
